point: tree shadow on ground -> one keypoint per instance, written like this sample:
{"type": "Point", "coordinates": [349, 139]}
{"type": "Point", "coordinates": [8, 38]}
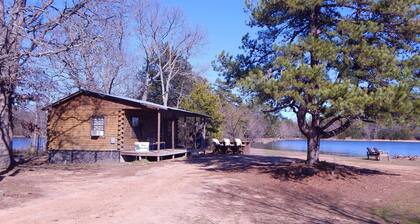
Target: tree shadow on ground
{"type": "Point", "coordinates": [32, 163]}
{"type": "Point", "coordinates": [283, 203]}
{"type": "Point", "coordinates": [282, 168]}
{"type": "Point", "coordinates": [270, 205]}
{"type": "Point", "coordinates": [19, 160]}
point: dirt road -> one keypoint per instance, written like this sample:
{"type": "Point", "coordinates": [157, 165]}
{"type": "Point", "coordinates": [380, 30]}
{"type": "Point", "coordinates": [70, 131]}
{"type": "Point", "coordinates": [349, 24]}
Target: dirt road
{"type": "Point", "coordinates": [210, 189]}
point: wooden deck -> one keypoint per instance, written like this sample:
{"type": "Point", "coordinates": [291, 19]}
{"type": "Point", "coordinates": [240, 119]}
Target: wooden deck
{"type": "Point", "coordinates": [155, 154]}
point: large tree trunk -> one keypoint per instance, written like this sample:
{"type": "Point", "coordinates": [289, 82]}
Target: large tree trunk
{"type": "Point", "coordinates": [312, 135]}
{"type": "Point", "coordinates": [35, 134]}
{"type": "Point", "coordinates": [313, 149]}
{"type": "Point", "coordinates": [6, 133]}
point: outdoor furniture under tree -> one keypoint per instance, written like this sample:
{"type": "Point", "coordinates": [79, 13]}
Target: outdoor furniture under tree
{"type": "Point", "coordinates": [227, 145]}
{"type": "Point", "coordinates": [217, 146]}
{"type": "Point", "coordinates": [238, 146]}
{"type": "Point", "coordinates": [380, 153]}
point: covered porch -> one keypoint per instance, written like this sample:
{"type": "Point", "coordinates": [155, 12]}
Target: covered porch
{"type": "Point", "coordinates": [163, 133]}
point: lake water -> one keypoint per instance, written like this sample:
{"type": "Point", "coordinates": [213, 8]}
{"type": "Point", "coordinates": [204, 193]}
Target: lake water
{"type": "Point", "coordinates": [349, 148]}
{"type": "Point", "coordinates": [24, 143]}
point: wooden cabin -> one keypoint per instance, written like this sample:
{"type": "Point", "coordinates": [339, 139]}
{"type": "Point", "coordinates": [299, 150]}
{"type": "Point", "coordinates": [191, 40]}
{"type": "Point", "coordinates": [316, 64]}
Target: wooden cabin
{"type": "Point", "coordinates": [89, 126]}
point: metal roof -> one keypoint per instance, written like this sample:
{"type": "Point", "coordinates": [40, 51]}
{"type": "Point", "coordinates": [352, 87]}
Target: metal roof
{"type": "Point", "coordinates": [126, 99]}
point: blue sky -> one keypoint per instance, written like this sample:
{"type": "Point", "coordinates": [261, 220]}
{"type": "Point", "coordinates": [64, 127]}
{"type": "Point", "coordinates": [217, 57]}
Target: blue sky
{"type": "Point", "coordinates": [223, 21]}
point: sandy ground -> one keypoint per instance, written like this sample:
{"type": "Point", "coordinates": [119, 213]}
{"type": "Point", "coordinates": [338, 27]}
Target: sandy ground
{"type": "Point", "coordinates": [211, 189]}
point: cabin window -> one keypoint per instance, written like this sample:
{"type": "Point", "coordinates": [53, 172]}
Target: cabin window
{"type": "Point", "coordinates": [98, 125]}
{"type": "Point", "coordinates": [134, 122]}
{"type": "Point", "coordinates": [135, 127]}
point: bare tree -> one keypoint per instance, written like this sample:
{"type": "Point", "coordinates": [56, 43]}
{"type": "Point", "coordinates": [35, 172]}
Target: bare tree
{"type": "Point", "coordinates": [166, 42]}
{"type": "Point", "coordinates": [243, 122]}
{"type": "Point", "coordinates": [181, 85]}
{"type": "Point", "coordinates": [36, 90]}
{"type": "Point", "coordinates": [98, 62]}
{"type": "Point", "coordinates": [182, 88]}
{"type": "Point", "coordinates": [287, 129]}
{"type": "Point", "coordinates": [25, 34]}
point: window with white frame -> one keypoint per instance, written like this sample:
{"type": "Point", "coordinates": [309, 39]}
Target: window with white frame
{"type": "Point", "coordinates": [98, 126]}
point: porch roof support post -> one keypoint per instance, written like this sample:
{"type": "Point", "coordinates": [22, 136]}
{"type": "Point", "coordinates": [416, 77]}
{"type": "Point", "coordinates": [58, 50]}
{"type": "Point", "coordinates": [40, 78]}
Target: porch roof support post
{"type": "Point", "coordinates": [204, 130]}
{"type": "Point", "coordinates": [204, 136]}
{"type": "Point", "coordinates": [158, 130]}
{"type": "Point", "coordinates": [185, 132]}
{"type": "Point", "coordinates": [195, 133]}
{"type": "Point", "coordinates": [173, 133]}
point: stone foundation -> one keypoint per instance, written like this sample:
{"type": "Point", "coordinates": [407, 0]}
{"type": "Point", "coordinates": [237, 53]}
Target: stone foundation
{"type": "Point", "coordinates": [83, 156]}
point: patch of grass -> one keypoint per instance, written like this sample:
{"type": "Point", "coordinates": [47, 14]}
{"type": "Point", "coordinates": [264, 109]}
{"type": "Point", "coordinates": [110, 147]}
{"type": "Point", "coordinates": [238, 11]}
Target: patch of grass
{"type": "Point", "coordinates": [396, 215]}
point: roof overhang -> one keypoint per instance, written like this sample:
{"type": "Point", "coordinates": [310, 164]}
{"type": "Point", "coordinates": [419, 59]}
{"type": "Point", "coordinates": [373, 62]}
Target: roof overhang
{"type": "Point", "coordinates": [131, 101]}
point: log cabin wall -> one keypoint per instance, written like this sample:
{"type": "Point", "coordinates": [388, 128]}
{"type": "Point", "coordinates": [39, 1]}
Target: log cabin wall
{"type": "Point", "coordinates": [121, 129]}
{"type": "Point", "coordinates": [69, 124]}
{"type": "Point", "coordinates": [69, 127]}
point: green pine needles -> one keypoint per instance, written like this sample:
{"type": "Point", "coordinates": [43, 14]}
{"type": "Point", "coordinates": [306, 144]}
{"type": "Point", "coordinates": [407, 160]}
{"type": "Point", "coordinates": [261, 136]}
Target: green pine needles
{"type": "Point", "coordinates": [331, 63]}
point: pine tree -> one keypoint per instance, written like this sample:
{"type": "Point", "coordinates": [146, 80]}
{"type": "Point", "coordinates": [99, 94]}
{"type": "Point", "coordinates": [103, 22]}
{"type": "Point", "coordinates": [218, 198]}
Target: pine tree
{"type": "Point", "coordinates": [203, 100]}
{"type": "Point", "coordinates": [330, 62]}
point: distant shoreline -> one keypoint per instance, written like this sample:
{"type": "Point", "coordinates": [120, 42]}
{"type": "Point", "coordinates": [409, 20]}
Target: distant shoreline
{"type": "Point", "coordinates": [267, 140]}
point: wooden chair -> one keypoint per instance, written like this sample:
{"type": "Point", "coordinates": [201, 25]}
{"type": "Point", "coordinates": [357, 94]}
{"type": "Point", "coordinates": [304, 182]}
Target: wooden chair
{"type": "Point", "coordinates": [227, 145]}
{"type": "Point", "coordinates": [217, 146]}
{"type": "Point", "coordinates": [380, 153]}
{"type": "Point", "coordinates": [238, 146]}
